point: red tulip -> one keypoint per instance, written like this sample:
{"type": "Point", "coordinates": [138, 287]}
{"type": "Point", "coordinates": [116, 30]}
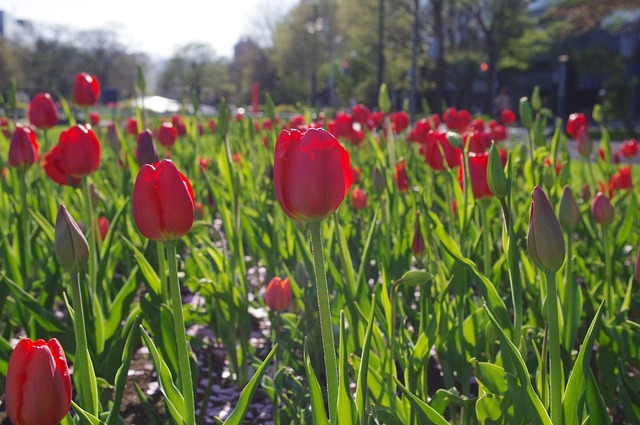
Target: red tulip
{"type": "Point", "coordinates": [146, 151]}
{"type": "Point", "coordinates": [4, 126]}
{"type": "Point", "coordinates": [342, 125]}
{"type": "Point", "coordinates": [43, 113]}
{"type": "Point", "coordinates": [167, 135]}
{"type": "Point", "coordinates": [358, 199]}
{"type": "Point", "coordinates": [360, 114]}
{"type": "Point", "coordinates": [94, 118]}
{"type": "Point", "coordinates": [132, 126]}
{"type": "Point", "coordinates": [434, 142]}
{"type": "Point", "coordinates": [212, 125]}
{"type": "Point", "coordinates": [23, 150]}
{"type": "Point", "coordinates": [402, 179]}
{"type": "Point", "coordinates": [86, 89]}
{"type": "Point", "coordinates": [178, 124]}
{"type": "Point", "coordinates": [278, 294]}
{"type": "Point", "coordinates": [507, 117]}
{"type": "Point", "coordinates": [103, 227]}
{"type": "Point", "coordinates": [629, 148]}
{"type": "Point", "coordinates": [163, 202]}
{"type": "Point", "coordinates": [418, 247]}
{"type": "Point", "coordinates": [311, 174]}
{"type": "Point", "coordinates": [576, 124]}
{"type": "Point", "coordinates": [38, 387]}
{"type": "Point", "coordinates": [622, 179]}
{"type": "Point", "coordinates": [400, 121]}
{"type": "Point", "coordinates": [52, 164]}
{"type": "Point", "coordinates": [79, 151]}
{"type": "Point", "coordinates": [602, 210]}
{"type": "Point", "coordinates": [478, 175]}
{"type": "Point", "coordinates": [456, 120]}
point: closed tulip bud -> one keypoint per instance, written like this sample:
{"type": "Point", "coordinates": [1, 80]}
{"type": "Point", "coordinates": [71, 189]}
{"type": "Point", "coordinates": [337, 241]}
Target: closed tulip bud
{"type": "Point", "coordinates": [602, 210]}
{"type": "Point", "coordinates": [496, 178]}
{"type": "Point", "coordinates": [311, 174]}
{"type": "Point", "coordinates": [455, 139]}
{"type": "Point", "coordinates": [418, 247]}
{"type": "Point", "coordinates": [548, 177]}
{"type": "Point", "coordinates": [94, 118]}
{"type": "Point", "coordinates": [71, 247]}
{"type": "Point", "coordinates": [23, 149]}
{"type": "Point", "coordinates": [42, 112]}
{"type": "Point", "coordinates": [103, 227]}
{"type": "Point", "coordinates": [38, 387]}
{"type": "Point", "coordinates": [526, 115]}
{"type": "Point", "coordinates": [377, 181]}
{"type": "Point", "coordinates": [163, 202]}
{"type": "Point", "coordinates": [384, 101]}
{"type": "Point", "coordinates": [402, 178]}
{"type": "Point", "coordinates": [278, 294]}
{"type": "Point", "coordinates": [544, 239]}
{"type": "Point", "coordinates": [568, 214]}
{"type": "Point", "coordinates": [86, 89]}
{"type": "Point", "coordinates": [146, 151]}
{"type": "Point", "coordinates": [536, 101]}
{"type": "Point", "coordinates": [113, 137]}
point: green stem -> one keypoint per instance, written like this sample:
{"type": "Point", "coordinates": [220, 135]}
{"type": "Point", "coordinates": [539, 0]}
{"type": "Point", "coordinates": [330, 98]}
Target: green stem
{"type": "Point", "coordinates": [83, 365]}
{"type": "Point", "coordinates": [23, 229]}
{"type": "Point", "coordinates": [276, 358]}
{"type": "Point", "coordinates": [91, 223]}
{"type": "Point", "coordinates": [486, 239]}
{"type": "Point", "coordinates": [326, 327]}
{"type": "Point", "coordinates": [181, 336]}
{"type": "Point", "coordinates": [570, 299]}
{"type": "Point", "coordinates": [514, 274]}
{"type": "Point", "coordinates": [608, 272]}
{"type": "Point", "coordinates": [162, 272]}
{"type": "Point", "coordinates": [391, 144]}
{"type": "Point", "coordinates": [555, 361]}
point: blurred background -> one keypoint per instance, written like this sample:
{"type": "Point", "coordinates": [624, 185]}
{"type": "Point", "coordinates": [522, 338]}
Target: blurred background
{"type": "Point", "coordinates": [474, 54]}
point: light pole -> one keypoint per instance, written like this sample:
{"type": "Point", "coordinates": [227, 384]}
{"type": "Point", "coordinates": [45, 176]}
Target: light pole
{"type": "Point", "coordinates": [314, 26]}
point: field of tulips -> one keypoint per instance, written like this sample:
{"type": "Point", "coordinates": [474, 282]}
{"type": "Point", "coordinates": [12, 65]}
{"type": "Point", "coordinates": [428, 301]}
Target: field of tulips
{"type": "Point", "coordinates": [350, 268]}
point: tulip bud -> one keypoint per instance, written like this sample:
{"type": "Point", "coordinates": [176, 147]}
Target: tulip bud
{"type": "Point", "coordinates": [418, 247]}
{"type": "Point", "coordinates": [146, 152]}
{"type": "Point", "coordinates": [455, 139]}
{"type": "Point", "coordinates": [278, 294]}
{"type": "Point", "coordinates": [38, 387]}
{"type": "Point", "coordinates": [536, 102]}
{"type": "Point", "coordinates": [496, 177]}
{"type": "Point", "coordinates": [71, 247]}
{"type": "Point", "coordinates": [384, 102]}
{"type": "Point", "coordinates": [113, 138]}
{"type": "Point", "coordinates": [23, 148]}
{"type": "Point", "coordinates": [377, 181]}
{"type": "Point", "coordinates": [568, 214]}
{"type": "Point", "coordinates": [103, 227]}
{"type": "Point", "coordinates": [602, 210]}
{"type": "Point", "coordinates": [358, 199]}
{"type": "Point", "coordinates": [544, 239]}
{"type": "Point", "coordinates": [526, 115]}
{"type": "Point", "coordinates": [548, 177]}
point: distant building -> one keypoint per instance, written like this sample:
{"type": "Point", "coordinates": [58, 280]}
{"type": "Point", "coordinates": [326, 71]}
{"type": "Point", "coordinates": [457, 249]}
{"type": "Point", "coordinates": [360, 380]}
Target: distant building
{"type": "Point", "coordinates": [18, 30]}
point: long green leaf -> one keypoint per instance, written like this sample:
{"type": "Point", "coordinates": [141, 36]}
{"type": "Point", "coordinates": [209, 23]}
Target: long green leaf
{"type": "Point", "coordinates": [147, 271]}
{"type": "Point", "coordinates": [236, 417]}
{"type": "Point", "coordinates": [173, 397]}
{"type": "Point", "coordinates": [362, 388]}
{"type": "Point", "coordinates": [317, 402]}
{"type": "Point", "coordinates": [573, 402]}
{"type": "Point", "coordinates": [429, 412]}
{"type": "Point", "coordinates": [346, 405]}
{"type": "Point", "coordinates": [539, 415]}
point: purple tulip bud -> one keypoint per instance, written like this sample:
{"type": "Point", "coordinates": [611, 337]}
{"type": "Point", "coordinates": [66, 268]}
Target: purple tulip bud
{"type": "Point", "coordinates": [602, 210]}
{"type": "Point", "coordinates": [544, 240]}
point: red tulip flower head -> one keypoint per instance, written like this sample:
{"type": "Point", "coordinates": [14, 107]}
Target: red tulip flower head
{"type": "Point", "coordinates": [507, 117]}
{"type": "Point", "coordinates": [23, 150]}
{"type": "Point", "coordinates": [163, 202]}
{"type": "Point", "coordinates": [42, 111]}
{"type": "Point", "coordinates": [146, 151]}
{"type": "Point", "coordinates": [38, 387]}
{"type": "Point", "coordinates": [311, 173]}
{"type": "Point", "coordinates": [79, 151]}
{"type": "Point", "coordinates": [167, 134]}
{"type": "Point", "coordinates": [94, 118]}
{"type": "Point", "coordinates": [278, 294]}
{"type": "Point", "coordinates": [478, 163]}
{"type": "Point", "coordinates": [629, 148]}
{"type": "Point", "coordinates": [576, 124]}
{"type": "Point", "coordinates": [402, 178]}
{"type": "Point", "coordinates": [86, 89]}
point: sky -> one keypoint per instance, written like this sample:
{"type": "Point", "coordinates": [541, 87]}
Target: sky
{"type": "Point", "coordinates": [157, 28]}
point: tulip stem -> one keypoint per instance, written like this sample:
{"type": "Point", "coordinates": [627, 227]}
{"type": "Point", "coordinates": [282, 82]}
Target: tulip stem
{"type": "Point", "coordinates": [23, 229]}
{"type": "Point", "coordinates": [84, 374]}
{"type": "Point", "coordinates": [162, 272]}
{"type": "Point", "coordinates": [326, 327]}
{"type": "Point", "coordinates": [608, 275]}
{"type": "Point", "coordinates": [181, 336]}
{"type": "Point", "coordinates": [93, 254]}
{"type": "Point", "coordinates": [555, 362]}
{"type": "Point", "coordinates": [486, 239]}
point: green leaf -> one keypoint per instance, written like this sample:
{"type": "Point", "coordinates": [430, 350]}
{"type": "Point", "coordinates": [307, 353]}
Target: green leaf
{"type": "Point", "coordinates": [236, 417]}
{"type": "Point", "coordinates": [317, 403]}
{"type": "Point", "coordinates": [362, 388]}
{"type": "Point", "coordinates": [122, 374]}
{"type": "Point", "coordinates": [626, 228]}
{"type": "Point", "coordinates": [141, 83]}
{"type": "Point", "coordinates": [429, 412]}
{"type": "Point", "coordinates": [491, 376]}
{"type": "Point", "coordinates": [147, 271]}
{"type": "Point", "coordinates": [86, 416]}
{"type": "Point", "coordinates": [598, 413]}
{"type": "Point", "coordinates": [573, 402]}
{"type": "Point", "coordinates": [415, 278]}
{"type": "Point", "coordinates": [539, 415]}
{"type": "Point", "coordinates": [173, 397]}
{"type": "Point", "coordinates": [346, 405]}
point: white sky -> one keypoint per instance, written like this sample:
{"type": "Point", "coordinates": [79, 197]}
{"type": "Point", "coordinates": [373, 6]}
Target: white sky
{"type": "Point", "coordinates": [156, 27]}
